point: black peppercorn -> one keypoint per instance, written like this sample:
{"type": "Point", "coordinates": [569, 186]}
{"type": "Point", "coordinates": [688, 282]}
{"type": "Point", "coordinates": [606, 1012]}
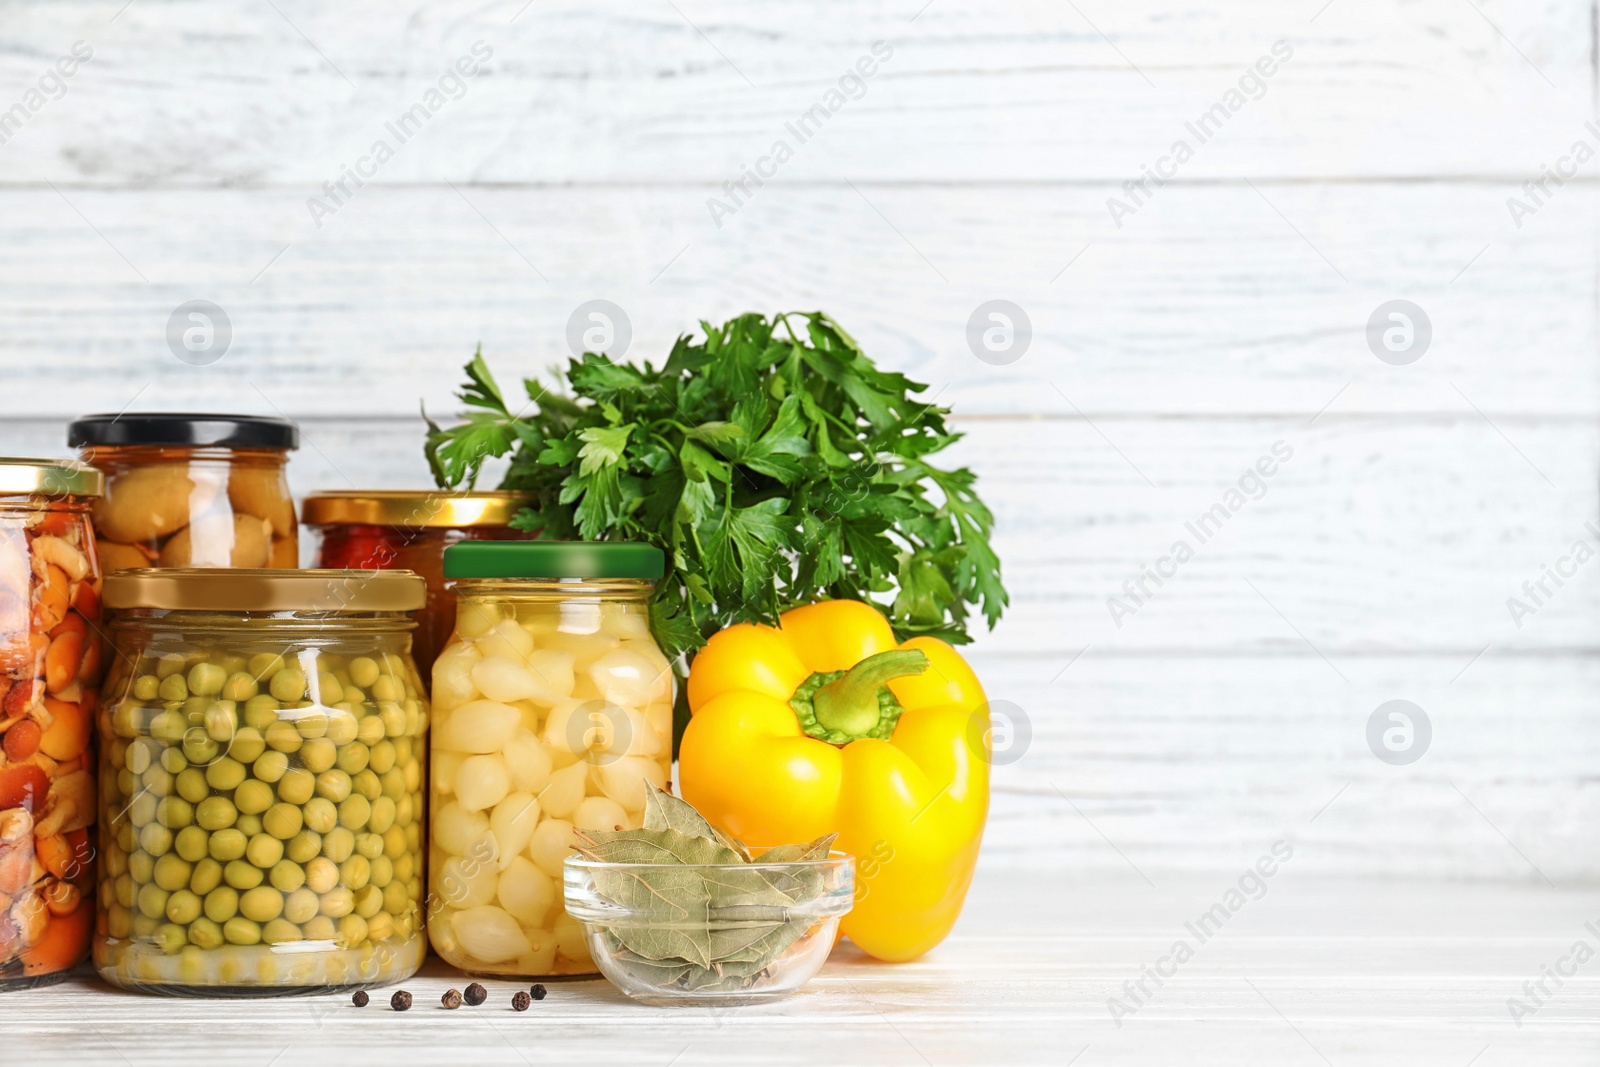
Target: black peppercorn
{"type": "Point", "coordinates": [538, 991]}
{"type": "Point", "coordinates": [359, 998]}
{"type": "Point", "coordinates": [451, 999]}
{"type": "Point", "coordinates": [476, 994]}
{"type": "Point", "coordinates": [401, 1001]}
{"type": "Point", "coordinates": [520, 1001]}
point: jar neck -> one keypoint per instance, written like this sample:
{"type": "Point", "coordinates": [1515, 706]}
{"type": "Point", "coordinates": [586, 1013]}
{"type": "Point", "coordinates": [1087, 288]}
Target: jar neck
{"type": "Point", "coordinates": [135, 455]}
{"type": "Point", "coordinates": [281, 623]}
{"type": "Point", "coordinates": [552, 589]}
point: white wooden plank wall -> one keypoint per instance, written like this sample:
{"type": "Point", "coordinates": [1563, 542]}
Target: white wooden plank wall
{"type": "Point", "coordinates": [1227, 313]}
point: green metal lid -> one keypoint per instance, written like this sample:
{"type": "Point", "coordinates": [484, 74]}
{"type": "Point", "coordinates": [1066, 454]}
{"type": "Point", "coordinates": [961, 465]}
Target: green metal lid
{"type": "Point", "coordinates": [553, 559]}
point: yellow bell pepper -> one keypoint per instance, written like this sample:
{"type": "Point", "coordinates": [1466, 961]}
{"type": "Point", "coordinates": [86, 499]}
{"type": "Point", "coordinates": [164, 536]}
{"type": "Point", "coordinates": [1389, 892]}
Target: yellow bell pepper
{"type": "Point", "coordinates": [825, 724]}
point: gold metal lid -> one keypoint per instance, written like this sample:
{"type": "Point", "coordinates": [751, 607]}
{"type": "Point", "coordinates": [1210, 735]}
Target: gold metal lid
{"type": "Point", "coordinates": [53, 477]}
{"type": "Point", "coordinates": [262, 589]}
{"type": "Point", "coordinates": [412, 508]}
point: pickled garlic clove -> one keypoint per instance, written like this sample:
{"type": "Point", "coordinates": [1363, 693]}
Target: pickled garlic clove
{"type": "Point", "coordinates": [623, 780]}
{"type": "Point", "coordinates": [561, 797]}
{"type": "Point", "coordinates": [506, 638]}
{"type": "Point", "coordinates": [512, 823]}
{"type": "Point", "coordinates": [627, 676]}
{"type": "Point", "coordinates": [542, 960]}
{"type": "Point", "coordinates": [544, 676]}
{"type": "Point", "coordinates": [478, 726]}
{"type": "Point", "coordinates": [624, 623]}
{"type": "Point", "coordinates": [570, 941]}
{"type": "Point", "coordinates": [445, 766]}
{"type": "Point", "coordinates": [452, 676]}
{"type": "Point", "coordinates": [489, 934]}
{"type": "Point", "coordinates": [482, 782]}
{"type": "Point", "coordinates": [528, 761]}
{"type": "Point", "coordinates": [466, 883]}
{"type": "Point", "coordinates": [455, 828]}
{"type": "Point", "coordinates": [552, 843]}
{"type": "Point", "coordinates": [600, 813]}
{"type": "Point", "coordinates": [475, 618]}
{"type": "Point", "coordinates": [583, 648]}
{"type": "Point", "coordinates": [526, 892]}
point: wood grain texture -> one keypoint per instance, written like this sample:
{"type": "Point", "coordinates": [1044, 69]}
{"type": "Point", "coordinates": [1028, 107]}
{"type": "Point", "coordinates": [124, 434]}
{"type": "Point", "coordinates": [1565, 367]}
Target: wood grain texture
{"type": "Point", "coordinates": [192, 93]}
{"type": "Point", "coordinates": [1208, 302]}
{"type": "Point", "coordinates": [1353, 972]}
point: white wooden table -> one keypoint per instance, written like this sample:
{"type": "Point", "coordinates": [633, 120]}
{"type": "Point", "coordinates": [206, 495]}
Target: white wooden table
{"type": "Point", "coordinates": [1313, 972]}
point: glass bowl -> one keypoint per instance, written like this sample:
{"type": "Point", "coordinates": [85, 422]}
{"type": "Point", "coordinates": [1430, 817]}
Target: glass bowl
{"type": "Point", "coordinates": [724, 934]}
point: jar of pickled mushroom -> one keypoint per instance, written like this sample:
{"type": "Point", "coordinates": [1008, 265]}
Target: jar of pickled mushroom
{"type": "Point", "coordinates": [50, 663]}
{"type": "Point", "coordinates": [409, 529]}
{"type": "Point", "coordinates": [188, 490]}
{"type": "Point", "coordinates": [554, 711]}
{"type": "Point", "coordinates": [261, 782]}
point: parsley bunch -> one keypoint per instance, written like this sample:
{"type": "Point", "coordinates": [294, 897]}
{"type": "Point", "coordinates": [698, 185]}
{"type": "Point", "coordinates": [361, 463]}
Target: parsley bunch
{"type": "Point", "coordinates": [774, 466]}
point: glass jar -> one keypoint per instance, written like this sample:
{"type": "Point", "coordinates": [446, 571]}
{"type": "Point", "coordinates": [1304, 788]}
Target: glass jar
{"type": "Point", "coordinates": [191, 490]}
{"type": "Point", "coordinates": [50, 661]}
{"type": "Point", "coordinates": [554, 710]}
{"type": "Point", "coordinates": [386, 529]}
{"type": "Point", "coordinates": [261, 782]}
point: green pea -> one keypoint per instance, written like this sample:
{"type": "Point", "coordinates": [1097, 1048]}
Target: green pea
{"type": "Point", "coordinates": [304, 846]}
{"type": "Point", "coordinates": [382, 871]}
{"type": "Point", "coordinates": [363, 671]}
{"type": "Point", "coordinates": [322, 874]}
{"type": "Point", "coordinates": [369, 901]}
{"type": "Point", "coordinates": [312, 726]}
{"type": "Point", "coordinates": [127, 783]}
{"type": "Point", "coordinates": [264, 665]}
{"type": "Point", "coordinates": [395, 900]}
{"type": "Point", "coordinates": [287, 876]}
{"type": "Point", "coordinates": [145, 926]}
{"type": "Point", "coordinates": [152, 901]}
{"type": "Point", "coordinates": [337, 902]}
{"type": "Point", "coordinates": [318, 755]}
{"type": "Point", "coordinates": [353, 697]}
{"type": "Point", "coordinates": [127, 837]}
{"type": "Point", "coordinates": [264, 850]}
{"type": "Point", "coordinates": [174, 812]}
{"type": "Point", "coordinates": [206, 877]}
{"type": "Point", "coordinates": [248, 744]}
{"type": "Point", "coordinates": [225, 774]}
{"type": "Point", "coordinates": [394, 842]}
{"type": "Point", "coordinates": [394, 784]}
{"type": "Point", "coordinates": [381, 758]}
{"type": "Point", "coordinates": [171, 937]}
{"type": "Point", "coordinates": [142, 809]}
{"type": "Point", "coordinates": [190, 843]}
{"type": "Point", "coordinates": [183, 907]}
{"type": "Point", "coordinates": [414, 837]}
{"type": "Point", "coordinates": [248, 825]}
{"type": "Point", "coordinates": [289, 684]}
{"type": "Point", "coordinates": [215, 813]}
{"type": "Point", "coordinates": [260, 711]}
{"type": "Point", "coordinates": [173, 688]}
{"type": "Point", "coordinates": [191, 785]}
{"type": "Point", "coordinates": [199, 748]}
{"type": "Point", "coordinates": [270, 767]}
{"type": "Point", "coordinates": [227, 844]}
{"type": "Point", "coordinates": [172, 761]}
{"type": "Point", "coordinates": [352, 930]}
{"type": "Point", "coordinates": [194, 710]}
{"type": "Point", "coordinates": [342, 726]}
{"type": "Point", "coordinates": [300, 905]}
{"type": "Point", "coordinates": [297, 786]}
{"type": "Point", "coordinates": [261, 904]}
{"type": "Point", "coordinates": [242, 875]}
{"type": "Point", "coordinates": [333, 784]}
{"type": "Point", "coordinates": [222, 903]}
{"type": "Point", "coordinates": [382, 816]}
{"type": "Point", "coordinates": [320, 814]}
{"type": "Point", "coordinates": [171, 872]}
{"type": "Point", "coordinates": [369, 845]}
{"type": "Point", "coordinates": [405, 810]}
{"type": "Point", "coordinates": [141, 753]}
{"type": "Point", "coordinates": [366, 784]}
{"type": "Point", "coordinates": [241, 931]}
{"type": "Point", "coordinates": [204, 933]}
{"type": "Point", "coordinates": [157, 781]}
{"type": "Point", "coordinates": [354, 812]}
{"type": "Point", "coordinates": [155, 838]}
{"type": "Point", "coordinates": [142, 866]}
{"type": "Point", "coordinates": [338, 845]}
{"type": "Point", "coordinates": [283, 737]}
{"type": "Point", "coordinates": [205, 679]}
{"type": "Point", "coordinates": [282, 820]}
{"type": "Point", "coordinates": [280, 931]}
{"type": "Point", "coordinates": [221, 721]}
{"type": "Point", "coordinates": [169, 664]}
{"type": "Point", "coordinates": [146, 687]}
{"type": "Point", "coordinates": [329, 689]}
{"type": "Point", "coordinates": [385, 689]}
{"type": "Point", "coordinates": [394, 719]}
{"type": "Point", "coordinates": [168, 726]}
{"type": "Point", "coordinates": [353, 758]}
{"type": "Point", "coordinates": [370, 730]}
{"type": "Point", "coordinates": [240, 687]}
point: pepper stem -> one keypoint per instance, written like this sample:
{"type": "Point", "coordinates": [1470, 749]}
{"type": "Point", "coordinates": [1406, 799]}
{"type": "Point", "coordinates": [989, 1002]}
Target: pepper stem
{"type": "Point", "coordinates": [849, 705]}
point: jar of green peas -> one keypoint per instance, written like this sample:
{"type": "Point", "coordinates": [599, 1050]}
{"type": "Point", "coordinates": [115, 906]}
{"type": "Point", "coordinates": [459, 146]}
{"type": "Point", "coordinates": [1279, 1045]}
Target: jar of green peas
{"type": "Point", "coordinates": [261, 782]}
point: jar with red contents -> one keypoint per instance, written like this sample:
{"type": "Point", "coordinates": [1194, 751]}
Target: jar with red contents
{"type": "Point", "coordinates": [51, 655]}
{"type": "Point", "coordinates": [387, 529]}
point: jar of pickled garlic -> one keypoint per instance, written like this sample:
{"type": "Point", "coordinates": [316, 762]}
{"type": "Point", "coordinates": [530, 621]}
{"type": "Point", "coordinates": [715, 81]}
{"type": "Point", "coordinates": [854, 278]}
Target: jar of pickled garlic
{"type": "Point", "coordinates": [50, 663]}
{"type": "Point", "coordinates": [188, 490]}
{"type": "Point", "coordinates": [409, 529]}
{"type": "Point", "coordinates": [261, 782]}
{"type": "Point", "coordinates": [554, 711]}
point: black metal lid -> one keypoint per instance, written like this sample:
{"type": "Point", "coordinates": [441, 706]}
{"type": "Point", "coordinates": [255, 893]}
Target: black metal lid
{"type": "Point", "coordinates": [183, 429]}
